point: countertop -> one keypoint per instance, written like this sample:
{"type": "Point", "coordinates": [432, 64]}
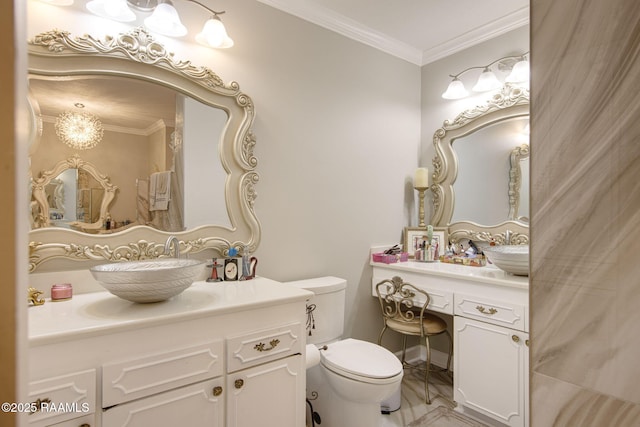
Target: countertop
{"type": "Point", "coordinates": [97, 313]}
{"type": "Point", "coordinates": [489, 274]}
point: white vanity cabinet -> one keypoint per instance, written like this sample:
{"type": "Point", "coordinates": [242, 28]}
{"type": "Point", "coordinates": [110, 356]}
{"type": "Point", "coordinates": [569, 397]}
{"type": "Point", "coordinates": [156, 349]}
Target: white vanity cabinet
{"type": "Point", "coordinates": [490, 353]}
{"type": "Point", "coordinates": [220, 354]}
{"type": "Point", "coordinates": [266, 377]}
{"type": "Point", "coordinates": [491, 370]}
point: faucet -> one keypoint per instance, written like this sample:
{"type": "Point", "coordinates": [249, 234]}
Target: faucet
{"type": "Point", "coordinates": [507, 237]}
{"type": "Point", "coordinates": [172, 241]}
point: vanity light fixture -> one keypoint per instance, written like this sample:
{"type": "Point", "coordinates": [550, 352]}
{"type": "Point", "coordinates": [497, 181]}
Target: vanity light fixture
{"type": "Point", "coordinates": [518, 65]}
{"type": "Point", "coordinates": [79, 130]}
{"type": "Point", "coordinates": [162, 17]}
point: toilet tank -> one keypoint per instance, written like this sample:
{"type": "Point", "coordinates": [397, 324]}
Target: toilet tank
{"type": "Point", "coordinates": [325, 310]}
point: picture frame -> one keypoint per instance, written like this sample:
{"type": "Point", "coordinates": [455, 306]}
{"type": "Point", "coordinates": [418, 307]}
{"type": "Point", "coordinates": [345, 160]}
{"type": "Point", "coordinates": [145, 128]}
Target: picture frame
{"type": "Point", "coordinates": [414, 236]}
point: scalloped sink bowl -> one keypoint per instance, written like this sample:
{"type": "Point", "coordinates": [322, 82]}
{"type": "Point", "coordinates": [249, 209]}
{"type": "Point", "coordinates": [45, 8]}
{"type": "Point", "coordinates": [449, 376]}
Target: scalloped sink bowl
{"type": "Point", "coordinates": [148, 281]}
{"type": "Point", "coordinates": [513, 259]}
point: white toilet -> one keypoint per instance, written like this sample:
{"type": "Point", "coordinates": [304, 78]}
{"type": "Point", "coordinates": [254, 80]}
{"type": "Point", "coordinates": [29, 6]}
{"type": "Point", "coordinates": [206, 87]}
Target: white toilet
{"type": "Point", "coordinates": [353, 377]}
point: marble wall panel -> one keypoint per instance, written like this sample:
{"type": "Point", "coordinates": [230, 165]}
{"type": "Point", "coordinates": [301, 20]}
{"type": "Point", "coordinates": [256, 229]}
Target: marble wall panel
{"type": "Point", "coordinates": [585, 167]}
{"type": "Point", "coordinates": [585, 198]}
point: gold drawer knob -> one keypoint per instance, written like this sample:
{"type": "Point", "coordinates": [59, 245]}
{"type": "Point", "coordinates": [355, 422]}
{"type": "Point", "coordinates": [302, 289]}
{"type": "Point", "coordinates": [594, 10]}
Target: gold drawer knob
{"type": "Point", "coordinates": [483, 310]}
{"type": "Point", "coordinates": [37, 405]}
{"type": "Point", "coordinates": [263, 347]}
{"type": "Point", "coordinates": [239, 383]}
{"type": "Point", "coordinates": [217, 391]}
{"type": "Point", "coordinates": [515, 338]}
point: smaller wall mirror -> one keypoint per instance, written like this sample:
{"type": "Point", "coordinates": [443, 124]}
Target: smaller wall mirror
{"type": "Point", "coordinates": [482, 157]}
{"type": "Point", "coordinates": [74, 194]}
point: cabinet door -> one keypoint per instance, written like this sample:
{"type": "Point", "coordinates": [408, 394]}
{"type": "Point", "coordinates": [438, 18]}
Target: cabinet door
{"type": "Point", "coordinates": [490, 370]}
{"type": "Point", "coordinates": [197, 405]}
{"type": "Point", "coordinates": [271, 394]}
{"type": "Point", "coordinates": [62, 398]}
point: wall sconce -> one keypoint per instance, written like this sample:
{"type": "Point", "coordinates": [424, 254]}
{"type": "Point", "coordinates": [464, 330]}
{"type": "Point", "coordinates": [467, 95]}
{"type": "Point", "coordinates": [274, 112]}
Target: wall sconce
{"type": "Point", "coordinates": [518, 65]}
{"type": "Point", "coordinates": [79, 130]}
{"type": "Point", "coordinates": [162, 18]}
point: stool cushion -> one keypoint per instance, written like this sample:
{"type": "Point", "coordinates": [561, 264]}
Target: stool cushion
{"type": "Point", "coordinates": [432, 325]}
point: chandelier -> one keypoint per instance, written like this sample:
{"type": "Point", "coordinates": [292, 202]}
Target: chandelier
{"type": "Point", "coordinates": [81, 131]}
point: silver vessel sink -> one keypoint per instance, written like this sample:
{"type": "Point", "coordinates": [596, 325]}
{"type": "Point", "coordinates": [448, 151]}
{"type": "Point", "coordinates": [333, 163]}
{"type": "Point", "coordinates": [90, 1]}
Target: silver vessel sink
{"type": "Point", "coordinates": [513, 259]}
{"type": "Point", "coordinates": [149, 281]}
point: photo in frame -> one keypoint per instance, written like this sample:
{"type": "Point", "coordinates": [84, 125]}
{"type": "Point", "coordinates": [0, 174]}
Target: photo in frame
{"type": "Point", "coordinates": [415, 236]}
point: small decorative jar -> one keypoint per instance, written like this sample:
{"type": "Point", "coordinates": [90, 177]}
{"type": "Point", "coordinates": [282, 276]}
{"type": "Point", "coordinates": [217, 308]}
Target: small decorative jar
{"type": "Point", "coordinates": [61, 292]}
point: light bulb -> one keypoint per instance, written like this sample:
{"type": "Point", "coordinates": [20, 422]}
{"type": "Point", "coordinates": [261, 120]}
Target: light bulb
{"type": "Point", "coordinates": [165, 20]}
{"type": "Point", "coordinates": [116, 10]}
{"type": "Point", "coordinates": [487, 81]}
{"type": "Point", "coordinates": [519, 73]}
{"type": "Point", "coordinates": [455, 90]}
{"type": "Point", "coordinates": [214, 34]}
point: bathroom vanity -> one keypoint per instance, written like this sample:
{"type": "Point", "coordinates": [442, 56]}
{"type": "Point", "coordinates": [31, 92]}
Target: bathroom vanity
{"type": "Point", "coordinates": [491, 333]}
{"type": "Point", "coordinates": [219, 354]}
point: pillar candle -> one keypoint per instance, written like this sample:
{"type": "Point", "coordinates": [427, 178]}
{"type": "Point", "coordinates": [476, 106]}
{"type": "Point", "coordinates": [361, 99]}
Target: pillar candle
{"type": "Point", "coordinates": [421, 179]}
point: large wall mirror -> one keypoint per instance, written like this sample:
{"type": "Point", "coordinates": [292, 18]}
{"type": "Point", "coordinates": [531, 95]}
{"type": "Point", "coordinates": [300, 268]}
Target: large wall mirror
{"type": "Point", "coordinates": [481, 169]}
{"type": "Point", "coordinates": [174, 156]}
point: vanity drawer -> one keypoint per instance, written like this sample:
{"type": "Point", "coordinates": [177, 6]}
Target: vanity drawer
{"type": "Point", "coordinates": [441, 299]}
{"type": "Point", "coordinates": [196, 405]}
{"type": "Point", "coordinates": [263, 346]}
{"type": "Point", "coordinates": [62, 398]}
{"type": "Point", "coordinates": [135, 378]}
{"type": "Point", "coordinates": [491, 311]}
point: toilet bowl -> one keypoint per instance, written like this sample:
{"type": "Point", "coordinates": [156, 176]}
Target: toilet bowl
{"type": "Point", "coordinates": [353, 376]}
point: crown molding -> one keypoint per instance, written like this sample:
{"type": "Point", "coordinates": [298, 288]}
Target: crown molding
{"type": "Point", "coordinates": [347, 27]}
{"type": "Point", "coordinates": [352, 29]}
{"type": "Point", "coordinates": [500, 26]}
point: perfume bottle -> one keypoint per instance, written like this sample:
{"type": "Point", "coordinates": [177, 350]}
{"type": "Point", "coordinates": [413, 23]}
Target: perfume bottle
{"type": "Point", "coordinates": [246, 262]}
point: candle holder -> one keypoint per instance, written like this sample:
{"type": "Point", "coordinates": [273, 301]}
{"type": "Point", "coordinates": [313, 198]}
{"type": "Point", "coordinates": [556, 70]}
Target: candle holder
{"type": "Point", "coordinates": [421, 191]}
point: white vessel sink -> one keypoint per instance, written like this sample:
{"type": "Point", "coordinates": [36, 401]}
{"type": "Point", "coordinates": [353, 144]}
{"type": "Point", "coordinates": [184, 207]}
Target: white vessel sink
{"type": "Point", "coordinates": [513, 259]}
{"type": "Point", "coordinates": [148, 281]}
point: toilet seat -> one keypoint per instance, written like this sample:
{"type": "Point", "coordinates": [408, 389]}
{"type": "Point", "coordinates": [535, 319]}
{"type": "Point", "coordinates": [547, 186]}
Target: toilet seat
{"type": "Point", "coordinates": [362, 361]}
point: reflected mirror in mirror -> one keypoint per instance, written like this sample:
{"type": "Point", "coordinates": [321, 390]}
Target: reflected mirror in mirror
{"type": "Point", "coordinates": [483, 182]}
{"type": "Point", "coordinates": [150, 134]}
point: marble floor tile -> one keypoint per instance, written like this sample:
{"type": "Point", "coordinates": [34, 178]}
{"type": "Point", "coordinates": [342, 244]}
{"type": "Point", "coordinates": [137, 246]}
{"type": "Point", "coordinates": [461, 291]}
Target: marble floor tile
{"type": "Point", "coordinates": [414, 412]}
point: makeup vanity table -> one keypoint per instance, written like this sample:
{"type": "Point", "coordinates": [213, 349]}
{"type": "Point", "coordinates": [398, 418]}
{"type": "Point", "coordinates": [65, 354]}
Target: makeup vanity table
{"type": "Point", "coordinates": [491, 332]}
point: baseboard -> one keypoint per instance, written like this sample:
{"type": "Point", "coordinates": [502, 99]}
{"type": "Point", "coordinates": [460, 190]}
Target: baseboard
{"type": "Point", "coordinates": [418, 353]}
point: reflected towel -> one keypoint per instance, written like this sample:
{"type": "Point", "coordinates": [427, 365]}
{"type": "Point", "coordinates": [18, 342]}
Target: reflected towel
{"type": "Point", "coordinates": [159, 191]}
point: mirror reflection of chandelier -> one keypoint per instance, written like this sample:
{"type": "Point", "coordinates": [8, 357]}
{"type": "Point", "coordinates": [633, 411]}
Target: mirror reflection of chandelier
{"type": "Point", "coordinates": [81, 131]}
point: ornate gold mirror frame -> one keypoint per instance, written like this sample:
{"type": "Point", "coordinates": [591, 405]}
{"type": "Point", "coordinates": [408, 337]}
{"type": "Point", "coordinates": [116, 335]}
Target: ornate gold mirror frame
{"type": "Point", "coordinates": [511, 102]}
{"type": "Point", "coordinates": [137, 55]}
{"type": "Point", "coordinates": [75, 162]}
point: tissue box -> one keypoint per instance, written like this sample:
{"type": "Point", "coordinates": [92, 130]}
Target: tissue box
{"type": "Point", "coordinates": [390, 258]}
